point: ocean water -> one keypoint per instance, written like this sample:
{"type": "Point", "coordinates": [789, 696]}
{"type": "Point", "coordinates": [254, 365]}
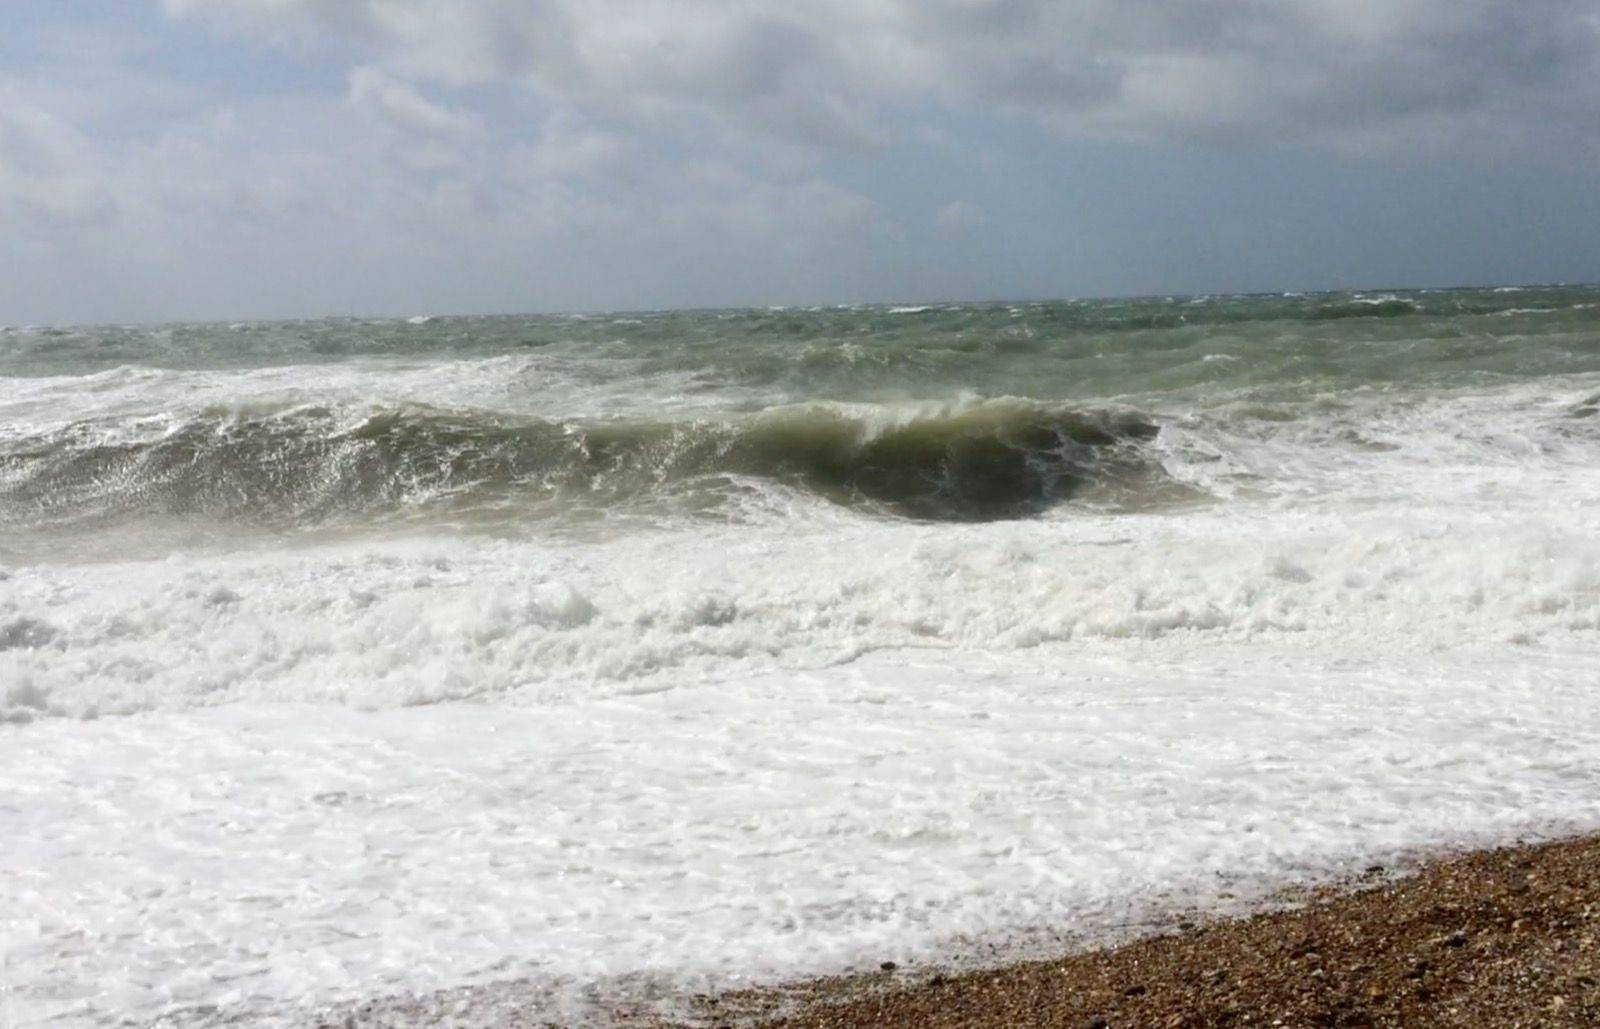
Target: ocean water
{"type": "Point", "coordinates": [613, 655]}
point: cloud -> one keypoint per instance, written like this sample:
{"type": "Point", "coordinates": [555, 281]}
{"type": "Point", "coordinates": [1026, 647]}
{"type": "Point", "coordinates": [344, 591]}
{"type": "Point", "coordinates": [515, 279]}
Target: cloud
{"type": "Point", "coordinates": [571, 149]}
{"type": "Point", "coordinates": [240, 157]}
{"type": "Point", "coordinates": [355, 201]}
{"type": "Point", "coordinates": [422, 133]}
{"type": "Point", "coordinates": [401, 108]}
{"type": "Point", "coordinates": [46, 177]}
{"type": "Point", "coordinates": [823, 72]}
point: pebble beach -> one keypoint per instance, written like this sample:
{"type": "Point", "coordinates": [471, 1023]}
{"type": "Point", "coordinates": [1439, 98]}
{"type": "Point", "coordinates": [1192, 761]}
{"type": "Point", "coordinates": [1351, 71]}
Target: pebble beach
{"type": "Point", "coordinates": [1503, 937]}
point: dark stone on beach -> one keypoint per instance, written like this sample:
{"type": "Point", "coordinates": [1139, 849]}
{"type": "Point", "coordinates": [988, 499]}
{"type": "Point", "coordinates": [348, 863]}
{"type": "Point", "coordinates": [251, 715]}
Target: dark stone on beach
{"type": "Point", "coordinates": [888, 966]}
{"type": "Point", "coordinates": [1098, 1022]}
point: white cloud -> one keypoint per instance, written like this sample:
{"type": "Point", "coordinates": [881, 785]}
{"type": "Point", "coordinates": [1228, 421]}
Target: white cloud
{"type": "Point", "coordinates": [345, 203]}
{"type": "Point", "coordinates": [568, 148]}
{"type": "Point", "coordinates": [47, 180]}
{"type": "Point", "coordinates": [823, 72]}
{"type": "Point", "coordinates": [422, 133]}
{"type": "Point", "coordinates": [403, 109]}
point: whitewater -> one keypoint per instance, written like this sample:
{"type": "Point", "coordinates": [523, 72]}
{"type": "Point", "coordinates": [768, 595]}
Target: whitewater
{"type": "Point", "coordinates": [622, 655]}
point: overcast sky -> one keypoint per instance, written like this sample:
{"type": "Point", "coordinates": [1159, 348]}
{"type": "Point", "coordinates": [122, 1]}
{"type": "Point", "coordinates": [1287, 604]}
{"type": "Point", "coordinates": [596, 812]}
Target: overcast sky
{"type": "Point", "coordinates": [197, 159]}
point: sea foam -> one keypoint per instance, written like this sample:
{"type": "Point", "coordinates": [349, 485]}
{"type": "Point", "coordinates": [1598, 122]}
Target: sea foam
{"type": "Point", "coordinates": [256, 766]}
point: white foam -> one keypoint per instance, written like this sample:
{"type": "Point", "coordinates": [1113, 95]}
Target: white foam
{"type": "Point", "coordinates": [1451, 449]}
{"type": "Point", "coordinates": [256, 858]}
{"type": "Point", "coordinates": [716, 748]}
{"type": "Point", "coordinates": [1463, 518]}
{"type": "Point", "coordinates": [548, 385]}
{"type": "Point", "coordinates": [382, 625]}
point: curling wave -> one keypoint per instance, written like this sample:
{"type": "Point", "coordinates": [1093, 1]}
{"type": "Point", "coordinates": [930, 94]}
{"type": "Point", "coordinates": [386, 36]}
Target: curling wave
{"type": "Point", "coordinates": [993, 459]}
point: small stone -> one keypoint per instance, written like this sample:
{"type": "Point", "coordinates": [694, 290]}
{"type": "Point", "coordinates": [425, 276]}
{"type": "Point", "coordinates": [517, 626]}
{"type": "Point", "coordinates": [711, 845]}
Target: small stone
{"type": "Point", "coordinates": [888, 966]}
{"type": "Point", "coordinates": [1099, 1022]}
{"type": "Point", "coordinates": [1456, 939]}
{"type": "Point", "coordinates": [1136, 990]}
{"type": "Point", "coordinates": [1376, 993]}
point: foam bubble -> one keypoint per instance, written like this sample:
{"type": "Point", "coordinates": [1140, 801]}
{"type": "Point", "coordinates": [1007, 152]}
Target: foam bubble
{"type": "Point", "coordinates": [381, 624]}
{"type": "Point", "coordinates": [243, 864]}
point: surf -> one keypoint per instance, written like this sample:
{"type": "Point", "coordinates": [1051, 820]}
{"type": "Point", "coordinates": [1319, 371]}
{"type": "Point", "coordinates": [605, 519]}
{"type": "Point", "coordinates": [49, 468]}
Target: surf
{"type": "Point", "coordinates": [305, 464]}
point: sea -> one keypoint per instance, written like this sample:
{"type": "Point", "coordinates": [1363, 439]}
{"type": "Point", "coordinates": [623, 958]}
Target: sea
{"type": "Point", "coordinates": [594, 660]}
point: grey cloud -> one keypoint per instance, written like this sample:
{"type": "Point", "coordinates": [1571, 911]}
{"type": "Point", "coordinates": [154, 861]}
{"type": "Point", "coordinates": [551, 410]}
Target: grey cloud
{"type": "Point", "coordinates": [1299, 70]}
{"type": "Point", "coordinates": [346, 203]}
{"type": "Point", "coordinates": [680, 151]}
{"type": "Point", "coordinates": [819, 72]}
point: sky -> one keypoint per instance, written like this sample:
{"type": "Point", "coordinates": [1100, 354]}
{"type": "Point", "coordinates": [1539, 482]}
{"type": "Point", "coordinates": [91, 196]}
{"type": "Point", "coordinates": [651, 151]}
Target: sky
{"type": "Point", "coordinates": [232, 159]}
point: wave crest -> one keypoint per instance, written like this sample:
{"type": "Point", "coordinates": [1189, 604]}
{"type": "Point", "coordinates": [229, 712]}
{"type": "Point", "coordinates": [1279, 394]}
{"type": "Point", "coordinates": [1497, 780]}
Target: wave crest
{"type": "Point", "coordinates": [982, 460]}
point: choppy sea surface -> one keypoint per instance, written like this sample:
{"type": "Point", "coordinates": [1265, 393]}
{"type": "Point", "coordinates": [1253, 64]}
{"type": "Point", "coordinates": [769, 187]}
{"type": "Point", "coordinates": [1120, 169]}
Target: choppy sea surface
{"type": "Point", "coordinates": [618, 653]}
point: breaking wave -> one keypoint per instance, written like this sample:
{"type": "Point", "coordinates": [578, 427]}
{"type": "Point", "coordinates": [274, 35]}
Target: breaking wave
{"type": "Point", "coordinates": [985, 460]}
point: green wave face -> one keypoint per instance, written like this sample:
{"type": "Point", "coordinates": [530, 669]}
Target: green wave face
{"type": "Point", "coordinates": [996, 460]}
{"type": "Point", "coordinates": [555, 419]}
{"type": "Point", "coordinates": [1001, 459]}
